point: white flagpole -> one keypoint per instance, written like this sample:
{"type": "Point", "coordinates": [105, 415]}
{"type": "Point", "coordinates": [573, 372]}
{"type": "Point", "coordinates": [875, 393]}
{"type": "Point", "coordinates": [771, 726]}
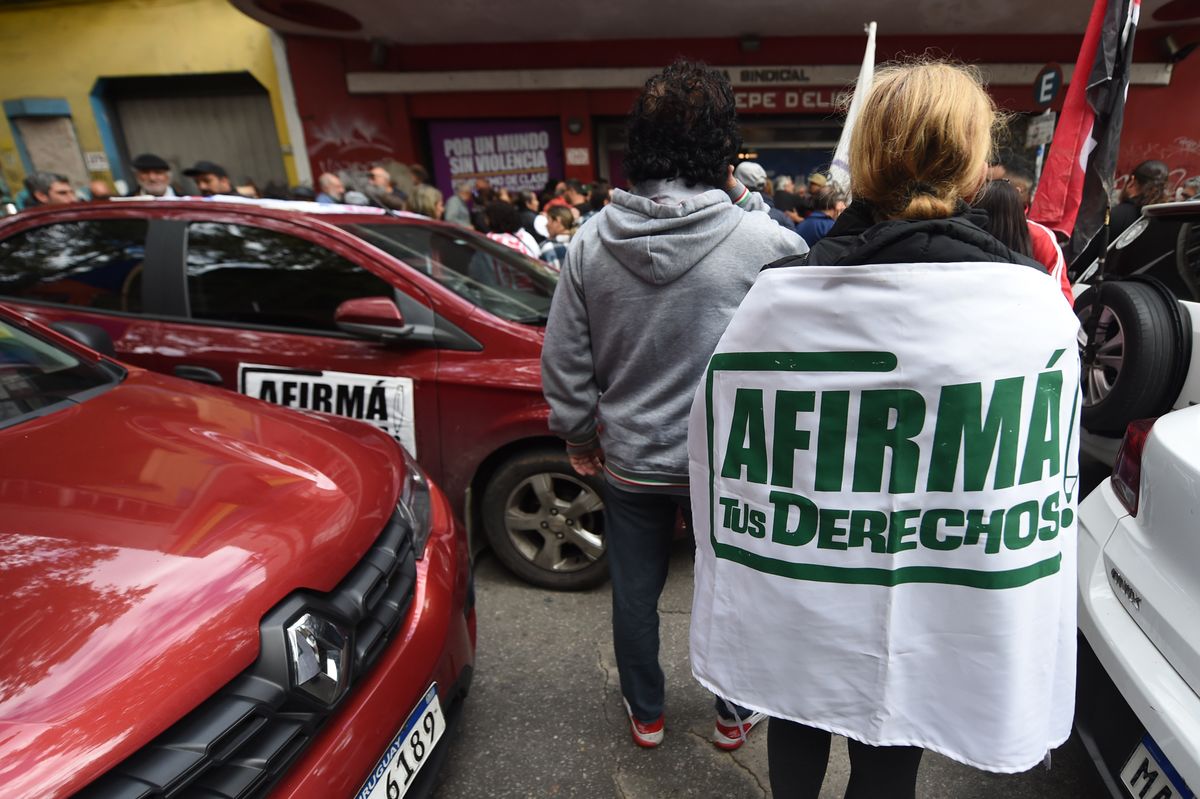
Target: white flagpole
{"type": "Point", "coordinates": [839, 170]}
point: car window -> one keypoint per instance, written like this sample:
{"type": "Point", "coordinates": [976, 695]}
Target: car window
{"type": "Point", "coordinates": [37, 375]}
{"type": "Point", "coordinates": [247, 274]}
{"type": "Point", "coordinates": [490, 275]}
{"type": "Point", "coordinates": [93, 264]}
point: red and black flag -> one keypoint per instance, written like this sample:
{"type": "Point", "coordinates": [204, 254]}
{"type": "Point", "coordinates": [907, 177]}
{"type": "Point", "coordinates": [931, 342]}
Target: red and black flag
{"type": "Point", "coordinates": [1075, 187]}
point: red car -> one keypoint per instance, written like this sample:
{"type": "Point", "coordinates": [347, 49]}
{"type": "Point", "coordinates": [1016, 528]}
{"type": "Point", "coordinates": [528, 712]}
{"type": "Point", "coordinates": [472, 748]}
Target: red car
{"type": "Point", "coordinates": [209, 596]}
{"type": "Point", "coordinates": [429, 331]}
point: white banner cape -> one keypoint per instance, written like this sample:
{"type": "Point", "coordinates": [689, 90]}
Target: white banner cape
{"type": "Point", "coordinates": [884, 465]}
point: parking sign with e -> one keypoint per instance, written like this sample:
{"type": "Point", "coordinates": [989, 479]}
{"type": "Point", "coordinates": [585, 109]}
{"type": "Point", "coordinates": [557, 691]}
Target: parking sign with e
{"type": "Point", "coordinates": [1047, 85]}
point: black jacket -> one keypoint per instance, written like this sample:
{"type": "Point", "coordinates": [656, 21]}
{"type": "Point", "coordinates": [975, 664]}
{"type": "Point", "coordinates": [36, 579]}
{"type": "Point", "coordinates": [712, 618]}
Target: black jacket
{"type": "Point", "coordinates": [780, 217]}
{"type": "Point", "coordinates": [856, 238]}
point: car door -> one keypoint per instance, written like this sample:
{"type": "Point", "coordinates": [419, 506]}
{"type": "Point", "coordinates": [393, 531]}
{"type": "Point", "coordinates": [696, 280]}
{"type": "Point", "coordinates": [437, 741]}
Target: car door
{"type": "Point", "coordinates": [258, 302]}
{"type": "Point", "coordinates": [86, 268]}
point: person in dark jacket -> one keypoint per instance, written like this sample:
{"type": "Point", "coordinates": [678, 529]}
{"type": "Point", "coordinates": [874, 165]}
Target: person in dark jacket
{"type": "Point", "coordinates": [527, 207]}
{"type": "Point", "coordinates": [827, 204]}
{"type": "Point", "coordinates": [910, 207]}
{"type": "Point", "coordinates": [1147, 185]}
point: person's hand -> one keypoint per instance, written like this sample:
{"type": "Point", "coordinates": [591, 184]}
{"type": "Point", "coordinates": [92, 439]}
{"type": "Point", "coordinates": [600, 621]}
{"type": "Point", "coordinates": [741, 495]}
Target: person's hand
{"type": "Point", "coordinates": [589, 463]}
{"type": "Point", "coordinates": [730, 181]}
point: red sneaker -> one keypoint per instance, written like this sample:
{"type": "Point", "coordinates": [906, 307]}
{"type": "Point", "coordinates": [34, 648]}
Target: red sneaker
{"type": "Point", "coordinates": [729, 734]}
{"type": "Point", "coordinates": [647, 734]}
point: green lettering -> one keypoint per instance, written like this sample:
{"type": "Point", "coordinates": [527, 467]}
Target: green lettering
{"type": "Point", "coordinates": [1049, 514]}
{"type": "Point", "coordinates": [758, 524]}
{"type": "Point", "coordinates": [730, 505]}
{"type": "Point", "coordinates": [1013, 537]}
{"type": "Point", "coordinates": [747, 440]}
{"type": "Point", "coordinates": [961, 426]}
{"type": "Point", "coordinates": [831, 440]}
{"type": "Point", "coordinates": [806, 525]}
{"type": "Point", "coordinates": [993, 528]}
{"type": "Point", "coordinates": [868, 525]}
{"type": "Point", "coordinates": [899, 529]}
{"type": "Point", "coordinates": [828, 531]}
{"type": "Point", "coordinates": [787, 438]}
{"type": "Point", "coordinates": [876, 434]}
{"type": "Point", "coordinates": [1042, 445]}
{"type": "Point", "coordinates": [929, 529]}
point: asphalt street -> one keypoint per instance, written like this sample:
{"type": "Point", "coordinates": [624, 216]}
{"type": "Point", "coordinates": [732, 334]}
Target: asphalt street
{"type": "Point", "coordinates": [544, 718]}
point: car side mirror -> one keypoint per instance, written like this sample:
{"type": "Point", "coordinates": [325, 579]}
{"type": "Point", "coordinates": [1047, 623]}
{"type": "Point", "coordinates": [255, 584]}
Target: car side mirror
{"type": "Point", "coordinates": [90, 336]}
{"type": "Point", "coordinates": [372, 317]}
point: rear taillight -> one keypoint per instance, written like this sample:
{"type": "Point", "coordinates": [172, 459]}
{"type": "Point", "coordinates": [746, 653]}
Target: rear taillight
{"type": "Point", "coordinates": [1127, 472]}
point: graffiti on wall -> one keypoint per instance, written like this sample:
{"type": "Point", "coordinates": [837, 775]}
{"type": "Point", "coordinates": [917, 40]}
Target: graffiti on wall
{"type": "Point", "coordinates": [347, 144]}
{"type": "Point", "coordinates": [1181, 155]}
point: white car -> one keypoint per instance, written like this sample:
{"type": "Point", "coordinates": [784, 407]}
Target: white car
{"type": "Point", "coordinates": [1138, 699]}
{"type": "Point", "coordinates": [1143, 357]}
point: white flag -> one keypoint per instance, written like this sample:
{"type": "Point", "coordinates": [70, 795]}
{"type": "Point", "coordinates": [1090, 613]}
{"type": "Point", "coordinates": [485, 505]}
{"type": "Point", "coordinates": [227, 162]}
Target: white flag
{"type": "Point", "coordinates": [839, 170]}
{"type": "Point", "coordinates": [884, 467]}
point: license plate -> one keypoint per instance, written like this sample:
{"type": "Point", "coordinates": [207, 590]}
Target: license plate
{"type": "Point", "coordinates": [1149, 775]}
{"type": "Point", "coordinates": [409, 750]}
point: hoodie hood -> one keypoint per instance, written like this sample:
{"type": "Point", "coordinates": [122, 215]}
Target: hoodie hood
{"type": "Point", "coordinates": [666, 228]}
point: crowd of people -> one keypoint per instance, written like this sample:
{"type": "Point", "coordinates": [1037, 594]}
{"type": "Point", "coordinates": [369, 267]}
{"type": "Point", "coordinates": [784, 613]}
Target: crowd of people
{"type": "Point", "coordinates": [527, 221]}
{"type": "Point", "coordinates": [536, 224]}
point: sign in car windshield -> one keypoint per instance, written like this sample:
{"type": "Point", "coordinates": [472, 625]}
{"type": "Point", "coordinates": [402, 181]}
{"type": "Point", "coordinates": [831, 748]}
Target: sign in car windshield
{"type": "Point", "coordinates": [386, 402]}
{"type": "Point", "coordinates": [517, 154]}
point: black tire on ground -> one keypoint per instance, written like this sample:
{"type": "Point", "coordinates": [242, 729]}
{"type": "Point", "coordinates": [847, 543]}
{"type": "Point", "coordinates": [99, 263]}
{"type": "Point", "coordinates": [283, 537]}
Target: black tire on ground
{"type": "Point", "coordinates": [1131, 370]}
{"type": "Point", "coordinates": [545, 522]}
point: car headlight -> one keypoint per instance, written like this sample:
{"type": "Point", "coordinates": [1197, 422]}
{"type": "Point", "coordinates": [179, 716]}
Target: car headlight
{"type": "Point", "coordinates": [414, 504]}
{"type": "Point", "coordinates": [1132, 232]}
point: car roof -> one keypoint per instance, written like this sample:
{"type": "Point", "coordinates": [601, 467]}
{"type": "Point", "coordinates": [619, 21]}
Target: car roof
{"type": "Point", "coordinates": [281, 209]}
{"type": "Point", "coordinates": [1173, 209]}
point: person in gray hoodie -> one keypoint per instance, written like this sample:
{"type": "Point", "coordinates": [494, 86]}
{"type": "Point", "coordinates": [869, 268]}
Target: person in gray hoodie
{"type": "Point", "coordinates": [647, 288]}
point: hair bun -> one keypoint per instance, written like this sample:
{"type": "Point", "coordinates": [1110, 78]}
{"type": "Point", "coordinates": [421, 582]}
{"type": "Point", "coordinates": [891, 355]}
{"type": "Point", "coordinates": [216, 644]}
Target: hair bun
{"type": "Point", "coordinates": [927, 205]}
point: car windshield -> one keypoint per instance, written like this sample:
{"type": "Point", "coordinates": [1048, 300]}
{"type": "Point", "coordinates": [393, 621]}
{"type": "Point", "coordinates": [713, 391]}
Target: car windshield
{"type": "Point", "coordinates": [496, 278]}
{"type": "Point", "coordinates": [37, 376]}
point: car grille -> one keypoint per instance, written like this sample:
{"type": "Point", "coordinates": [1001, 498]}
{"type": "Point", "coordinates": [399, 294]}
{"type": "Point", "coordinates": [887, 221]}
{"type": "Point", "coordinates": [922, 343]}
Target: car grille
{"type": "Point", "coordinates": [242, 740]}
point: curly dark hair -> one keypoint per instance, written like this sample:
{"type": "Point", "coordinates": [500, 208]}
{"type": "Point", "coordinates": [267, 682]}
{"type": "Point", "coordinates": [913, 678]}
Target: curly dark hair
{"type": "Point", "coordinates": [683, 125]}
{"type": "Point", "coordinates": [502, 217]}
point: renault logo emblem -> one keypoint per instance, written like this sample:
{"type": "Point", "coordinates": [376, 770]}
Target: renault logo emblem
{"type": "Point", "coordinates": [320, 654]}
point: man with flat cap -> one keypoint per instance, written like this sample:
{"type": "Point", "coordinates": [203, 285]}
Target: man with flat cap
{"type": "Point", "coordinates": [211, 178]}
{"type": "Point", "coordinates": [153, 176]}
{"type": "Point", "coordinates": [754, 178]}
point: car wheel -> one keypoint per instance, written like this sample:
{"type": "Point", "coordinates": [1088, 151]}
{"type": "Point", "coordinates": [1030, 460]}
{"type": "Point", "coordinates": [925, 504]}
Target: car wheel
{"type": "Point", "coordinates": [1130, 368]}
{"type": "Point", "coordinates": [545, 522]}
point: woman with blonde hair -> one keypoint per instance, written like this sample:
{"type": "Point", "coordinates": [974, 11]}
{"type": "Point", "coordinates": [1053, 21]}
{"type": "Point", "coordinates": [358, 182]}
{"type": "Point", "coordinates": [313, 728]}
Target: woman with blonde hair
{"type": "Point", "coordinates": [427, 201]}
{"type": "Point", "coordinates": [876, 558]}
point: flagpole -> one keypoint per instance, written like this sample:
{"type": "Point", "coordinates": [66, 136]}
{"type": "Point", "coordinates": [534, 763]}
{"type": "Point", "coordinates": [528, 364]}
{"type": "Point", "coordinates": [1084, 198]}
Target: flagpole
{"type": "Point", "coordinates": [839, 168]}
{"type": "Point", "coordinates": [1092, 325]}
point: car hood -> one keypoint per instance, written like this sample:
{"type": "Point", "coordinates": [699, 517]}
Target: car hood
{"type": "Point", "coordinates": [143, 535]}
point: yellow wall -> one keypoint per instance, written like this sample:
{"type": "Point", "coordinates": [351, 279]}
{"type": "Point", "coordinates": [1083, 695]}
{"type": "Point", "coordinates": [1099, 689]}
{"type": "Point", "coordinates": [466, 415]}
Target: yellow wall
{"type": "Point", "coordinates": [59, 48]}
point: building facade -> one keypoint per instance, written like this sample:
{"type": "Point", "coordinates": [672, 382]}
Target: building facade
{"type": "Point", "coordinates": [555, 109]}
{"type": "Point", "coordinates": [88, 84]}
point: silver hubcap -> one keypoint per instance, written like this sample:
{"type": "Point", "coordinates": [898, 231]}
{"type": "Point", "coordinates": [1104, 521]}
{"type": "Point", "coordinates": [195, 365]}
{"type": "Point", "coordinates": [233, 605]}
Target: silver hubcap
{"type": "Point", "coordinates": [1101, 371]}
{"type": "Point", "coordinates": [556, 522]}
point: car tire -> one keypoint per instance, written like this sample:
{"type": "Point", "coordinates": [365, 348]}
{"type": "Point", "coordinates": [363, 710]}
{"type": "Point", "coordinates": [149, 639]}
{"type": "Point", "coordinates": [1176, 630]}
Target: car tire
{"type": "Point", "coordinates": [1131, 370]}
{"type": "Point", "coordinates": [545, 522]}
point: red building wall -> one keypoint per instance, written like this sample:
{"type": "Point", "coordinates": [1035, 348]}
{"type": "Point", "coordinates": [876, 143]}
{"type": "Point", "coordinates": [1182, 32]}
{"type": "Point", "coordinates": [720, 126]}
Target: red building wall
{"type": "Point", "coordinates": [349, 131]}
